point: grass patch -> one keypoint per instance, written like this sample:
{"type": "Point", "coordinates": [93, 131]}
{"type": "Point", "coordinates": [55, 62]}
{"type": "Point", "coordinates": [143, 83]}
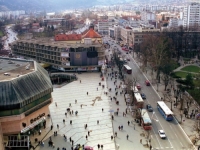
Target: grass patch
{"type": "Point", "coordinates": [191, 68]}
{"type": "Point", "coordinates": [196, 83]}
{"type": "Point", "coordinates": [180, 74]}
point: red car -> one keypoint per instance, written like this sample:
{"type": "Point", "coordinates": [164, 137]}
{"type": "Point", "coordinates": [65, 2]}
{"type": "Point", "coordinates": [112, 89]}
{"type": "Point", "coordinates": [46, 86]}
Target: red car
{"type": "Point", "coordinates": [138, 87]}
{"type": "Point", "coordinates": [147, 83]}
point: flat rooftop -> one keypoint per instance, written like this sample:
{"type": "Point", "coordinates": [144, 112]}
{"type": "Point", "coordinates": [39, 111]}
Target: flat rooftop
{"type": "Point", "coordinates": [13, 68]}
{"type": "Point", "coordinates": [52, 43]}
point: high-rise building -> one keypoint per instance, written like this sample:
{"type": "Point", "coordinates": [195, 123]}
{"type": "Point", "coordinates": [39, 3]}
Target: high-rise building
{"type": "Point", "coordinates": [191, 15]}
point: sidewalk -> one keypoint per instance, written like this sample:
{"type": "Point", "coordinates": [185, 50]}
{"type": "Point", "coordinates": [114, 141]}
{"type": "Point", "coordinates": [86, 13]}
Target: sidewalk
{"type": "Point", "coordinates": [89, 113]}
{"type": "Point", "coordinates": [134, 131]}
{"type": "Point", "coordinates": [187, 124]}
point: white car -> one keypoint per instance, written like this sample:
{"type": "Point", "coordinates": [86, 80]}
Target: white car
{"type": "Point", "coordinates": [162, 134]}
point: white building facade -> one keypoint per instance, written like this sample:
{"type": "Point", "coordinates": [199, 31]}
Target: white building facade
{"type": "Point", "coordinates": [191, 15]}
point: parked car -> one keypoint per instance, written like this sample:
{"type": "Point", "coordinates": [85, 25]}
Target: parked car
{"type": "Point", "coordinates": [138, 86]}
{"type": "Point", "coordinates": [147, 83]}
{"type": "Point", "coordinates": [149, 108]}
{"type": "Point", "coordinates": [143, 96]}
{"type": "Point", "coordinates": [162, 134]}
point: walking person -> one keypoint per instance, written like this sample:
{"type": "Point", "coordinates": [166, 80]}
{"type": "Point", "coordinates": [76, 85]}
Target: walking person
{"type": "Point", "coordinates": [102, 109]}
{"type": "Point", "coordinates": [70, 139]}
{"type": "Point", "coordinates": [128, 123]}
{"type": "Point", "coordinates": [56, 104]}
{"type": "Point", "coordinates": [87, 93]}
{"type": "Point", "coordinates": [97, 121]}
{"type": "Point", "coordinates": [72, 142]}
{"type": "Point", "coordinates": [127, 136]}
{"type": "Point", "coordinates": [111, 137]}
{"type": "Point", "coordinates": [70, 122]}
{"type": "Point", "coordinates": [75, 101]}
{"type": "Point", "coordinates": [115, 134]}
{"type": "Point", "coordinates": [101, 146]}
{"type": "Point", "coordinates": [112, 117]}
{"type": "Point", "coordinates": [98, 146]}
{"type": "Point", "coordinates": [57, 126]}
{"type": "Point", "coordinates": [141, 141]}
{"type": "Point", "coordinates": [70, 105]}
{"type": "Point", "coordinates": [88, 133]}
{"type": "Point", "coordinates": [119, 128]}
{"type": "Point", "coordinates": [86, 137]}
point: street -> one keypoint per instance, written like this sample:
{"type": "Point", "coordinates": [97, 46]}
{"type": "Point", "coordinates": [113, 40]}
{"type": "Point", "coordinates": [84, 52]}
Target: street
{"type": "Point", "coordinates": [11, 37]}
{"type": "Point", "coordinates": [176, 139]}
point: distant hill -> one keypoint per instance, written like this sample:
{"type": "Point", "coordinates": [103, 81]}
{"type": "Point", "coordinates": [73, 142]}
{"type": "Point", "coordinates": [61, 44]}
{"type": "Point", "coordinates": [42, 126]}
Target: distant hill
{"type": "Point", "coordinates": [56, 5]}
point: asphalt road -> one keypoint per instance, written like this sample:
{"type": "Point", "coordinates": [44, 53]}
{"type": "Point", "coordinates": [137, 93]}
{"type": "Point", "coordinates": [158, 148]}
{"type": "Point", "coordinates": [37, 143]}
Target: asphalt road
{"type": "Point", "coordinates": [12, 36]}
{"type": "Point", "coordinates": [176, 138]}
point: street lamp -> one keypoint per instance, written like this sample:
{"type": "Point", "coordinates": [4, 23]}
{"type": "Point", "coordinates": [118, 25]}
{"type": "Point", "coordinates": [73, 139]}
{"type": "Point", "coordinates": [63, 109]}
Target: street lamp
{"type": "Point", "coordinates": [181, 115]}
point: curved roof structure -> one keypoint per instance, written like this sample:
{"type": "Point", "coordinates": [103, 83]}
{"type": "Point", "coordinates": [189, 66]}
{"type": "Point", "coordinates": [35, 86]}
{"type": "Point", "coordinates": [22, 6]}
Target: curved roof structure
{"type": "Point", "coordinates": [16, 90]}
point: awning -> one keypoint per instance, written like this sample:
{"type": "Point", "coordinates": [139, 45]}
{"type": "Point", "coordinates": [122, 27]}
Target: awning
{"type": "Point", "coordinates": [32, 125]}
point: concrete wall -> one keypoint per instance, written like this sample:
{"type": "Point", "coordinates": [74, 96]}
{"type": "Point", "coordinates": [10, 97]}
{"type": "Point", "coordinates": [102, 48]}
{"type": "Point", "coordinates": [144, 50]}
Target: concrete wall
{"type": "Point", "coordinates": [13, 124]}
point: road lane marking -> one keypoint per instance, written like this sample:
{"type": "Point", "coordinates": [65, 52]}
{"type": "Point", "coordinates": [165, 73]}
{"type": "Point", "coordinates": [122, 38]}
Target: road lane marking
{"type": "Point", "coordinates": [170, 126]}
{"type": "Point", "coordinates": [156, 137]}
{"type": "Point", "coordinates": [176, 135]}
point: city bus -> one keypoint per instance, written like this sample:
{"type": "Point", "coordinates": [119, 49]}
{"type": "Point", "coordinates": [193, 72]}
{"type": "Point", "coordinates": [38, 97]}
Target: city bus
{"type": "Point", "coordinates": [138, 101]}
{"type": "Point", "coordinates": [127, 69]}
{"type": "Point", "coordinates": [145, 120]}
{"type": "Point", "coordinates": [165, 111]}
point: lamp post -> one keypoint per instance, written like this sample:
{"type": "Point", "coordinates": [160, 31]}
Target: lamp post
{"type": "Point", "coordinates": [171, 104]}
{"type": "Point", "coordinates": [181, 115]}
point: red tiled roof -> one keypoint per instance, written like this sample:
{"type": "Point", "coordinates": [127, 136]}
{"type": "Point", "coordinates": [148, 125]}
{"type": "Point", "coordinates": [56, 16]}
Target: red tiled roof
{"type": "Point", "coordinates": [91, 34]}
{"type": "Point", "coordinates": [68, 37]}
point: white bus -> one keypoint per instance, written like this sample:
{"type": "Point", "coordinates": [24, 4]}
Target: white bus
{"type": "Point", "coordinates": [165, 111]}
{"type": "Point", "coordinates": [146, 121]}
{"type": "Point", "coordinates": [138, 101]}
{"type": "Point", "coordinates": [127, 69]}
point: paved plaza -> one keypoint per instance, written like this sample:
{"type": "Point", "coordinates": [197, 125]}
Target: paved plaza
{"type": "Point", "coordinates": [90, 112]}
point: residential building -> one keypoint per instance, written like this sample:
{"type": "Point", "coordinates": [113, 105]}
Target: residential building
{"type": "Point", "coordinates": [8, 14]}
{"type": "Point", "coordinates": [111, 32]}
{"type": "Point", "coordinates": [24, 102]}
{"type": "Point", "coordinates": [146, 16]}
{"type": "Point", "coordinates": [117, 32]}
{"type": "Point", "coordinates": [67, 52]}
{"type": "Point", "coordinates": [126, 34]}
{"type": "Point", "coordinates": [175, 23]}
{"type": "Point", "coordinates": [191, 15]}
{"type": "Point", "coordinates": [103, 25]}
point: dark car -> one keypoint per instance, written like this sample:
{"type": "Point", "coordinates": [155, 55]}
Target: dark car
{"type": "Point", "coordinates": [147, 83]}
{"type": "Point", "coordinates": [143, 96]}
{"type": "Point", "coordinates": [149, 108]}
